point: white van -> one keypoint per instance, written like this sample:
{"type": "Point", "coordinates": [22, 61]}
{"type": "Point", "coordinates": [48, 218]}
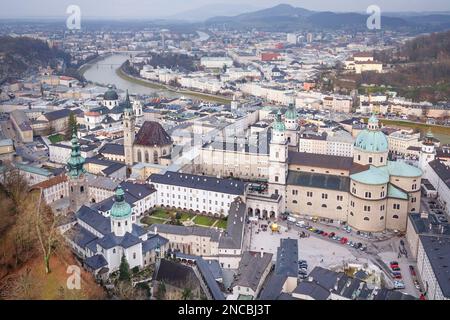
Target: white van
{"type": "Point", "coordinates": [291, 219]}
{"type": "Point", "coordinates": [300, 223]}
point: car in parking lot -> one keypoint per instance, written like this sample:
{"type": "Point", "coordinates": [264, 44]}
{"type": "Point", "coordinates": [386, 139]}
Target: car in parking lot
{"type": "Point", "coordinates": [325, 234]}
{"type": "Point", "coordinates": [399, 284]}
{"type": "Point", "coordinates": [397, 275]}
{"type": "Point", "coordinates": [344, 240]}
{"type": "Point", "coordinates": [331, 235]}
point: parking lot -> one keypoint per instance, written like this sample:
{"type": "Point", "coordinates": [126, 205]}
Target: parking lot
{"type": "Point", "coordinates": [321, 250]}
{"type": "Point", "coordinates": [315, 250]}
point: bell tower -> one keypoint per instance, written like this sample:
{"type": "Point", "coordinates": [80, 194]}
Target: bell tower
{"type": "Point", "coordinates": [278, 155]}
{"type": "Point", "coordinates": [427, 152]}
{"type": "Point", "coordinates": [128, 131]}
{"type": "Point", "coordinates": [77, 180]}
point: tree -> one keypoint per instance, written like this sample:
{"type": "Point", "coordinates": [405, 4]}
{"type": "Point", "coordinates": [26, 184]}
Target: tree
{"type": "Point", "coordinates": [71, 126]}
{"type": "Point", "coordinates": [124, 270]}
{"type": "Point", "coordinates": [46, 224]}
{"type": "Point", "coordinates": [161, 292]}
{"type": "Point", "coordinates": [187, 294]}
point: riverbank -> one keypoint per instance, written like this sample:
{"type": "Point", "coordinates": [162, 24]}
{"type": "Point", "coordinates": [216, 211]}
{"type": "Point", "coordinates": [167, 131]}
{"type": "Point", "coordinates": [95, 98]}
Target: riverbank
{"type": "Point", "coordinates": [155, 85]}
{"type": "Point", "coordinates": [82, 69]}
{"type": "Point", "coordinates": [442, 132]}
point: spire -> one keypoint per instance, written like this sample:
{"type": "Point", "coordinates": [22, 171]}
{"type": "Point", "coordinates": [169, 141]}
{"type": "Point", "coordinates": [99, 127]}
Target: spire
{"type": "Point", "coordinates": [127, 102]}
{"type": "Point", "coordinates": [76, 161]}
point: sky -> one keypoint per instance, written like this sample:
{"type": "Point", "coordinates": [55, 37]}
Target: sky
{"type": "Point", "coordinates": [168, 8]}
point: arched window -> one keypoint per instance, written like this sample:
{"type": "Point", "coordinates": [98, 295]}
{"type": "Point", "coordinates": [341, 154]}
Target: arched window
{"type": "Point", "coordinates": [324, 206]}
{"type": "Point", "coordinates": [309, 204]}
{"type": "Point", "coordinates": [155, 157]}
{"type": "Point", "coordinates": [382, 218]}
{"type": "Point", "coordinates": [395, 216]}
{"type": "Point", "coordinates": [139, 156]}
{"type": "Point", "coordinates": [164, 152]}
{"type": "Point", "coordinates": [351, 213]}
{"type": "Point", "coordinates": [338, 208]}
{"type": "Point", "coordinates": [81, 189]}
{"type": "Point", "coordinates": [366, 218]}
{"type": "Point", "coordinates": [147, 158]}
{"type": "Point", "coordinates": [294, 201]}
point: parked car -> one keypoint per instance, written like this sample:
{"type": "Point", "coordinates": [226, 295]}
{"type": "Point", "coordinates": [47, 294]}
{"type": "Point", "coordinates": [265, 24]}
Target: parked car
{"type": "Point", "coordinates": [397, 275]}
{"type": "Point", "coordinates": [325, 234]}
{"type": "Point", "coordinates": [344, 240]}
{"type": "Point", "coordinates": [291, 219]}
{"type": "Point", "coordinates": [399, 285]}
{"type": "Point", "coordinates": [393, 264]}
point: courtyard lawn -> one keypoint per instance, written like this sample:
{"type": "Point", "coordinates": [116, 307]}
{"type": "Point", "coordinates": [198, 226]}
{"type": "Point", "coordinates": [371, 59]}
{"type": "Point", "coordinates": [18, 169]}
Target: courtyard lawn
{"type": "Point", "coordinates": [149, 220]}
{"type": "Point", "coordinates": [186, 216]}
{"type": "Point", "coordinates": [160, 213]}
{"type": "Point", "coordinates": [56, 138]}
{"type": "Point", "coordinates": [221, 224]}
{"type": "Point", "coordinates": [204, 221]}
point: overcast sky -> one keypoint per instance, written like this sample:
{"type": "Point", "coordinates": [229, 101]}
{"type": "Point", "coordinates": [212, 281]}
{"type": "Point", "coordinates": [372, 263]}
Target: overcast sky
{"type": "Point", "coordinates": [165, 8]}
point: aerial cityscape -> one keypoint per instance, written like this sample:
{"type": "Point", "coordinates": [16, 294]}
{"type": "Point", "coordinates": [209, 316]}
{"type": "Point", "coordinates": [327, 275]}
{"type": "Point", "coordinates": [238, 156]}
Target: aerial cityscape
{"type": "Point", "coordinates": [201, 150]}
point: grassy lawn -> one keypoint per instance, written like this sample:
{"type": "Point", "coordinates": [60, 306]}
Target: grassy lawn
{"type": "Point", "coordinates": [204, 221]}
{"type": "Point", "coordinates": [160, 213]}
{"type": "Point", "coordinates": [149, 220]}
{"type": "Point", "coordinates": [186, 216]}
{"type": "Point", "coordinates": [56, 138]}
{"type": "Point", "coordinates": [222, 224]}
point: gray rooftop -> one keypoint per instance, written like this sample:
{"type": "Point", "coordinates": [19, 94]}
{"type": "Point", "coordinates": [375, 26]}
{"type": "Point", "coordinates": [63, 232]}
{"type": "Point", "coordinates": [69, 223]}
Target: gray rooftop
{"type": "Point", "coordinates": [251, 269]}
{"type": "Point", "coordinates": [229, 186]}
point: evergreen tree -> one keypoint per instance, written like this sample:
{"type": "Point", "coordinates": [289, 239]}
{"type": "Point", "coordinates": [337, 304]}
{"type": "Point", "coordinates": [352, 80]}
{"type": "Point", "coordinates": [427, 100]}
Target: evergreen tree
{"type": "Point", "coordinates": [71, 127]}
{"type": "Point", "coordinates": [124, 270]}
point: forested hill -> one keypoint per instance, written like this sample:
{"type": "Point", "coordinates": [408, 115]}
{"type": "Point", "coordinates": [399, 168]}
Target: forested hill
{"type": "Point", "coordinates": [20, 56]}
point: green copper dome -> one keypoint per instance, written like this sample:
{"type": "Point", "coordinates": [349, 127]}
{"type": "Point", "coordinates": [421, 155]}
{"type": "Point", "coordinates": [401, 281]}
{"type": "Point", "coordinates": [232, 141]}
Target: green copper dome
{"type": "Point", "coordinates": [372, 139]}
{"type": "Point", "coordinates": [76, 161]}
{"type": "Point", "coordinates": [279, 125]}
{"type": "Point", "coordinates": [120, 209]}
{"type": "Point", "coordinates": [291, 113]}
{"type": "Point", "coordinates": [110, 94]}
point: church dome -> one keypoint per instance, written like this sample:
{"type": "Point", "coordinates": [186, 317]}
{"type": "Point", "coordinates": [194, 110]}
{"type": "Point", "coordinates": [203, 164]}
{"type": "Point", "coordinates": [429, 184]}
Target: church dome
{"type": "Point", "coordinates": [279, 125]}
{"type": "Point", "coordinates": [291, 113]}
{"type": "Point", "coordinates": [120, 209]}
{"type": "Point", "coordinates": [111, 94]}
{"type": "Point", "coordinates": [372, 139]}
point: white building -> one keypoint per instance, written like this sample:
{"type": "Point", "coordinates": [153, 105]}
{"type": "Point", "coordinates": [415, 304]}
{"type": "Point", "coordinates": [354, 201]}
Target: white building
{"type": "Point", "coordinates": [194, 192]}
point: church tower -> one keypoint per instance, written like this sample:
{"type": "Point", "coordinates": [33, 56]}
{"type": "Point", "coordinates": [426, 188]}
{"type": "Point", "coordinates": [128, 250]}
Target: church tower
{"type": "Point", "coordinates": [278, 158]}
{"type": "Point", "coordinates": [427, 152]}
{"type": "Point", "coordinates": [121, 221]}
{"type": "Point", "coordinates": [128, 131]}
{"type": "Point", "coordinates": [291, 123]}
{"type": "Point", "coordinates": [77, 179]}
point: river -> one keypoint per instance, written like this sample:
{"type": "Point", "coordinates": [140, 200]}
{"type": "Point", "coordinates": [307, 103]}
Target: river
{"type": "Point", "coordinates": [103, 72]}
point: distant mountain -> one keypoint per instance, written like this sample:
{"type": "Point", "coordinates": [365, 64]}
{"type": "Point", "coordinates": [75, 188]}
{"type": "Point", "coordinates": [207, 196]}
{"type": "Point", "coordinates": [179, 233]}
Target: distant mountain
{"type": "Point", "coordinates": [208, 11]}
{"type": "Point", "coordinates": [287, 18]}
